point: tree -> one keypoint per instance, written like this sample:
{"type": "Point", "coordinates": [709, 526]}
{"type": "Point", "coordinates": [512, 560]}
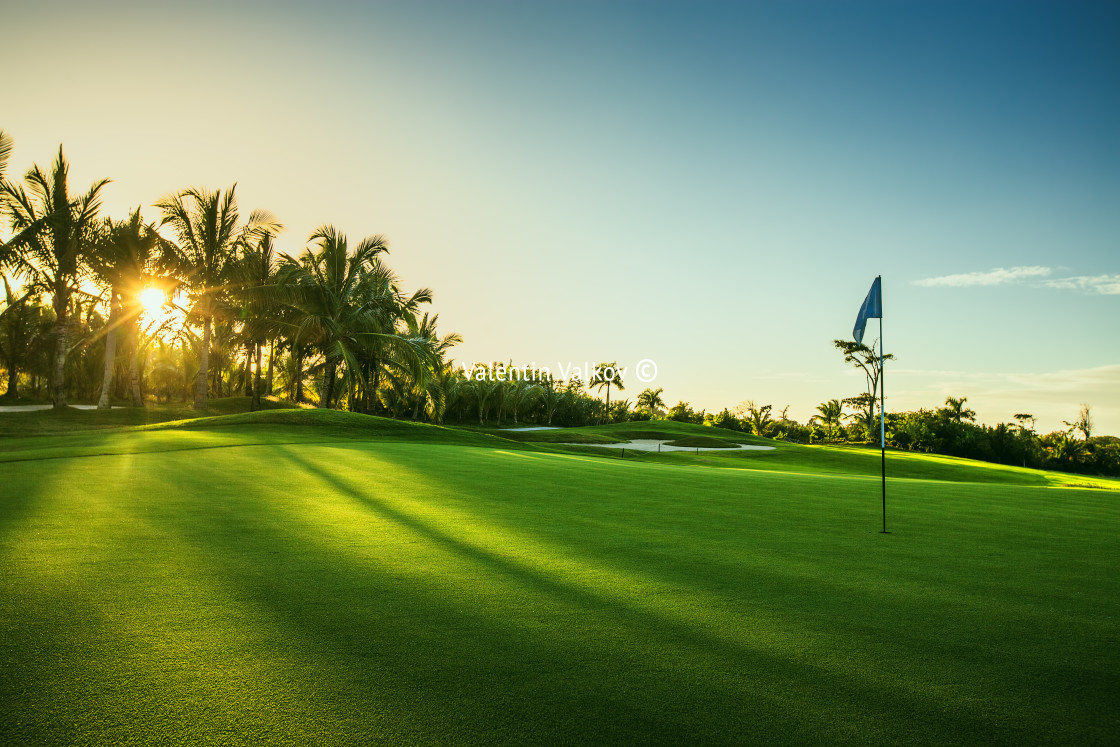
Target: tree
{"type": "Point", "coordinates": [347, 305]}
{"type": "Point", "coordinates": [956, 412]}
{"type": "Point", "coordinates": [682, 412]}
{"type": "Point", "coordinates": [1022, 418]}
{"type": "Point", "coordinates": [429, 386]}
{"type": "Point", "coordinates": [551, 399]}
{"type": "Point", "coordinates": [650, 401]}
{"type": "Point", "coordinates": [757, 416]}
{"type": "Point", "coordinates": [255, 275]}
{"type": "Point", "coordinates": [864, 415]}
{"type": "Point", "coordinates": [445, 390]}
{"type": "Point", "coordinates": [1083, 423]}
{"type": "Point", "coordinates": [866, 359]}
{"type": "Point", "coordinates": [522, 393]}
{"type": "Point", "coordinates": [207, 226]}
{"type": "Point", "coordinates": [829, 413]}
{"type": "Point", "coordinates": [21, 327]}
{"type": "Point", "coordinates": [1064, 450]}
{"type": "Point", "coordinates": [52, 241]}
{"type": "Point", "coordinates": [129, 255]}
{"type": "Point", "coordinates": [620, 412]}
{"type": "Point", "coordinates": [6, 144]}
{"type": "Point", "coordinates": [605, 375]}
{"type": "Point", "coordinates": [482, 387]}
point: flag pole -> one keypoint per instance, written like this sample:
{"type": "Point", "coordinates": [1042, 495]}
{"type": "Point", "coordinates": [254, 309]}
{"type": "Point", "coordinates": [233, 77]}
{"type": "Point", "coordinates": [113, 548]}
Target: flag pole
{"type": "Point", "coordinates": [882, 415]}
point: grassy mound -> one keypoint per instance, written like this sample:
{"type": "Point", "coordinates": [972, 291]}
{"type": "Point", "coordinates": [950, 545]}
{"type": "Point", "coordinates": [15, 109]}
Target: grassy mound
{"type": "Point", "coordinates": [280, 426]}
{"type": "Point", "coordinates": [328, 424]}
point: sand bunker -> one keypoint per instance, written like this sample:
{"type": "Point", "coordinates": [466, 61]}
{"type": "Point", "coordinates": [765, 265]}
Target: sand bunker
{"type": "Point", "coordinates": [651, 444]}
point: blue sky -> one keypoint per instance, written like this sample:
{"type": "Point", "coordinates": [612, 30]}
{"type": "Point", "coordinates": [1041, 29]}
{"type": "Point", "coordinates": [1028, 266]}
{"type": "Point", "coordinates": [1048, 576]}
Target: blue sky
{"type": "Point", "coordinates": [711, 186]}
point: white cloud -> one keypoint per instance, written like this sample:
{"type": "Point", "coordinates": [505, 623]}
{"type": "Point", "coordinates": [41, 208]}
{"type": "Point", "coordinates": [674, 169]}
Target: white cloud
{"type": "Point", "coordinates": [998, 276]}
{"type": "Point", "coordinates": [1108, 285]}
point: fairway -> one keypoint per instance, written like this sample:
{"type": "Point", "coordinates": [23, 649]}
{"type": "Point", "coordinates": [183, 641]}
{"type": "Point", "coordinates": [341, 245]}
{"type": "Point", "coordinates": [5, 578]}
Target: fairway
{"type": "Point", "coordinates": [255, 584]}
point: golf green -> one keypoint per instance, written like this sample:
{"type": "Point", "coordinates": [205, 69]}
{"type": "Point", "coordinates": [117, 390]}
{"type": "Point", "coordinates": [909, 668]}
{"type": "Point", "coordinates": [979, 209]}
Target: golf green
{"type": "Point", "coordinates": [315, 589]}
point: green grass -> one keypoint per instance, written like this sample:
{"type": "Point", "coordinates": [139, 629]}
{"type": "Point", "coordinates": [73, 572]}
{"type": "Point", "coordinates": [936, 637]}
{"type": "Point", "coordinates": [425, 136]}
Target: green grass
{"type": "Point", "coordinates": [323, 578]}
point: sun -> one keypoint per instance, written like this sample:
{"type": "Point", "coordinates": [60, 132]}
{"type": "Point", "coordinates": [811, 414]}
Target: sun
{"type": "Point", "coordinates": [152, 300]}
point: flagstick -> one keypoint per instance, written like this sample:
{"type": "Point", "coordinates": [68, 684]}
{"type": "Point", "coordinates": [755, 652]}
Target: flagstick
{"type": "Point", "coordinates": [883, 422]}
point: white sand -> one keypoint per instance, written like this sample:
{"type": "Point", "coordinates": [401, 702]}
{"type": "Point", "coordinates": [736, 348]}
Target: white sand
{"type": "Point", "coordinates": [650, 444]}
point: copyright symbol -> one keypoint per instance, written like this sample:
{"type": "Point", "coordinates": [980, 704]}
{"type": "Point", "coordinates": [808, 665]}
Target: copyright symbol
{"type": "Point", "coordinates": [646, 370]}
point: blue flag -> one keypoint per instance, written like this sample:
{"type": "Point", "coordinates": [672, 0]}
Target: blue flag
{"type": "Point", "coordinates": [872, 309]}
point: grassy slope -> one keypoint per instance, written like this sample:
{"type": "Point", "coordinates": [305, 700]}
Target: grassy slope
{"type": "Point", "coordinates": [95, 433]}
{"type": "Point", "coordinates": [354, 592]}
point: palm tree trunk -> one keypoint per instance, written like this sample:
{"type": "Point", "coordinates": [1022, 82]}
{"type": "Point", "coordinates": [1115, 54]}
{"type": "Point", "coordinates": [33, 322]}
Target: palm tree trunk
{"type": "Point", "coordinates": [110, 353]}
{"type": "Point", "coordinates": [299, 376]}
{"type": "Point", "coordinates": [328, 384]}
{"type": "Point", "coordinates": [255, 404]}
{"type": "Point", "coordinates": [271, 362]}
{"type": "Point", "coordinates": [248, 370]}
{"type": "Point", "coordinates": [58, 384]}
{"type": "Point", "coordinates": [203, 366]}
{"type": "Point", "coordinates": [134, 365]}
{"type": "Point", "coordinates": [376, 385]}
{"type": "Point", "coordinates": [13, 376]}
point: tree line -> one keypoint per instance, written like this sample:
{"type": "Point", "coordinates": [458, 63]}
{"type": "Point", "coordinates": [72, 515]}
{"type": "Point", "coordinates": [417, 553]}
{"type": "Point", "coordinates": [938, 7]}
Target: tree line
{"type": "Point", "coordinates": [336, 314]}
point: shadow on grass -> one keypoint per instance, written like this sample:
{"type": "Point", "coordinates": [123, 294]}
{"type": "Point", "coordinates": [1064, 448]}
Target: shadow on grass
{"type": "Point", "coordinates": [391, 628]}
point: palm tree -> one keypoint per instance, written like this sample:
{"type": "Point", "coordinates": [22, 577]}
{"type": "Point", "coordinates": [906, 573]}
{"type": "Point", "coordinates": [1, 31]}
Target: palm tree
{"type": "Point", "coordinates": [255, 275]}
{"type": "Point", "coordinates": [395, 312]}
{"type": "Point", "coordinates": [21, 327]}
{"type": "Point", "coordinates": [601, 380]}
{"type": "Point", "coordinates": [129, 255]}
{"type": "Point", "coordinates": [757, 416]}
{"type": "Point", "coordinates": [52, 243]}
{"type": "Point", "coordinates": [451, 392]}
{"type": "Point", "coordinates": [650, 400]}
{"type": "Point", "coordinates": [522, 394]}
{"type": "Point", "coordinates": [551, 398]}
{"type": "Point", "coordinates": [830, 414]}
{"type": "Point", "coordinates": [956, 411]}
{"type": "Point", "coordinates": [866, 359]}
{"type": "Point", "coordinates": [345, 304]}
{"type": "Point", "coordinates": [483, 388]}
{"type": "Point", "coordinates": [429, 386]}
{"type": "Point", "coordinates": [1066, 449]}
{"type": "Point", "coordinates": [6, 144]}
{"type": "Point", "coordinates": [206, 224]}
